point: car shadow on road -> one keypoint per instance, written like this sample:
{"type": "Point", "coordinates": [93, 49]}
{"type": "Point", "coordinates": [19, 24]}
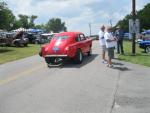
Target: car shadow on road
{"type": "Point", "coordinates": [86, 60]}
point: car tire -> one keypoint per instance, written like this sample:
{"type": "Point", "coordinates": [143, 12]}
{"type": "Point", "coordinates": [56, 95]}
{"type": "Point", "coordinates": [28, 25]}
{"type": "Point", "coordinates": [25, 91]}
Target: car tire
{"type": "Point", "coordinates": [25, 45]}
{"type": "Point", "coordinates": [90, 52]}
{"type": "Point", "coordinates": [17, 44]}
{"type": "Point", "coordinates": [148, 49]}
{"type": "Point", "coordinates": [79, 57]}
{"type": "Point", "coordinates": [48, 60]}
{"type": "Point", "coordinates": [40, 53]}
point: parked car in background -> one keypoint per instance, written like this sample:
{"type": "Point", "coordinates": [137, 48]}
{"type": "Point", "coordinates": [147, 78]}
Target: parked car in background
{"type": "Point", "coordinates": [44, 38]}
{"type": "Point", "coordinates": [2, 38]}
{"type": "Point", "coordinates": [146, 37]}
{"type": "Point", "coordinates": [127, 36]}
{"type": "Point", "coordinates": [20, 40]}
{"type": "Point", "coordinates": [13, 39]}
{"type": "Point", "coordinates": [66, 45]}
{"type": "Point", "coordinates": [31, 37]}
{"type": "Point", "coordinates": [10, 38]}
{"type": "Point", "coordinates": [145, 45]}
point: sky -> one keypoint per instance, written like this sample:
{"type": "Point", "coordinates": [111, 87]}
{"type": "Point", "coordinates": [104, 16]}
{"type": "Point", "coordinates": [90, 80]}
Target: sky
{"type": "Point", "coordinates": [77, 14]}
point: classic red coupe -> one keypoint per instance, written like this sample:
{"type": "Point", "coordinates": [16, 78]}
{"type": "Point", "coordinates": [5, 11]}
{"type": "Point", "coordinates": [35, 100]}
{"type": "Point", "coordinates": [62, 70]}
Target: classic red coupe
{"type": "Point", "coordinates": [72, 45]}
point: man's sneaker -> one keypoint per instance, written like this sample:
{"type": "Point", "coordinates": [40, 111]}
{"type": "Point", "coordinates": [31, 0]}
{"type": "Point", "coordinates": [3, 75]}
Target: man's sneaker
{"type": "Point", "coordinates": [104, 62]}
{"type": "Point", "coordinates": [110, 66]}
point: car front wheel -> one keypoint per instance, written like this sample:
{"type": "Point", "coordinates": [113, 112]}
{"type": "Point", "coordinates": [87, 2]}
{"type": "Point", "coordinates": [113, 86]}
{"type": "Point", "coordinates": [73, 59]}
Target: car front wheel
{"type": "Point", "coordinates": [26, 44]}
{"type": "Point", "coordinates": [148, 49]}
{"type": "Point", "coordinates": [17, 44]}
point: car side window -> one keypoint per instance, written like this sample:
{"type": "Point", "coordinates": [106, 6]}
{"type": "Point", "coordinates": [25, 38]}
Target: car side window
{"type": "Point", "coordinates": [78, 39]}
{"type": "Point", "coordinates": [82, 37]}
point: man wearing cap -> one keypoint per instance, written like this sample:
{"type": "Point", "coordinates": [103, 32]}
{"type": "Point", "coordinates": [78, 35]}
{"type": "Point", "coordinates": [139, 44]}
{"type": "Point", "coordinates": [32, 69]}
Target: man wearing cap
{"type": "Point", "coordinates": [110, 45]}
{"type": "Point", "coordinates": [119, 34]}
{"type": "Point", "coordinates": [102, 43]}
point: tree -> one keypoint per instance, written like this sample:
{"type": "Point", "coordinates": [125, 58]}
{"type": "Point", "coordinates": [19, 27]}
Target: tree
{"type": "Point", "coordinates": [7, 18]}
{"type": "Point", "coordinates": [26, 21]}
{"type": "Point", "coordinates": [17, 24]}
{"type": "Point", "coordinates": [55, 25]}
{"type": "Point", "coordinates": [8, 21]}
{"type": "Point", "coordinates": [41, 26]}
{"type": "Point", "coordinates": [31, 21]}
{"type": "Point", "coordinates": [143, 15]}
{"type": "Point", "coordinates": [124, 24]}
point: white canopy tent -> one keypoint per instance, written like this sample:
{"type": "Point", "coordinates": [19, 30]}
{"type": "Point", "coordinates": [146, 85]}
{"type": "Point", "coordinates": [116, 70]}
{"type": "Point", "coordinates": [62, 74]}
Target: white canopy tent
{"type": "Point", "coordinates": [20, 29]}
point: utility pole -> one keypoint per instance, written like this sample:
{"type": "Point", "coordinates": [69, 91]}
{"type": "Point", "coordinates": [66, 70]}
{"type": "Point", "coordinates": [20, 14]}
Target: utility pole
{"type": "Point", "coordinates": [134, 34]}
{"type": "Point", "coordinates": [90, 28]}
{"type": "Point", "coordinates": [110, 21]}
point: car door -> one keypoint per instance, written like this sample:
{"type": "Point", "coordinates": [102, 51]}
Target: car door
{"type": "Point", "coordinates": [83, 42]}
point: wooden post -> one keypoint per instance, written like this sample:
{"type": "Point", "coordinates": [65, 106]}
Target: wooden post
{"type": "Point", "coordinates": [134, 34]}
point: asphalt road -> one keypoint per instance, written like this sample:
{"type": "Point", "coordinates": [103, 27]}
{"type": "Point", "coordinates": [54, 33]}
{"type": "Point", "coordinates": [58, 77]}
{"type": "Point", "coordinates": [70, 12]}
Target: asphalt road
{"type": "Point", "coordinates": [29, 86]}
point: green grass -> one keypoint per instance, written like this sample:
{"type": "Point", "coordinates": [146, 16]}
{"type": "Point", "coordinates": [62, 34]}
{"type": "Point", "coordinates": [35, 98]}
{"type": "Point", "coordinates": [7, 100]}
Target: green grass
{"type": "Point", "coordinates": [8, 54]}
{"type": "Point", "coordinates": [140, 57]}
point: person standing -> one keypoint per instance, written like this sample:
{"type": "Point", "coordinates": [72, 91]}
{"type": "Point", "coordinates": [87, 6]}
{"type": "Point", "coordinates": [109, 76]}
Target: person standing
{"type": "Point", "coordinates": [119, 34]}
{"type": "Point", "coordinates": [110, 45]}
{"type": "Point", "coordinates": [102, 43]}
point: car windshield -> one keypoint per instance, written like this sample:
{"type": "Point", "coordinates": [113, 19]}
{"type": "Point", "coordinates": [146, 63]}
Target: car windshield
{"type": "Point", "coordinates": [60, 37]}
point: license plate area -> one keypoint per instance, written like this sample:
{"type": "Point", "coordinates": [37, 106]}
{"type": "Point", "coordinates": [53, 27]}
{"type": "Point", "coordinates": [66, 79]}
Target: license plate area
{"type": "Point", "coordinates": [55, 49]}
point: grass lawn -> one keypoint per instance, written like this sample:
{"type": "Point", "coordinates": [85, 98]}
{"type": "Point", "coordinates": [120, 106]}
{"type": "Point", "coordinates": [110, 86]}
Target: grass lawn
{"type": "Point", "coordinates": [8, 54]}
{"type": "Point", "coordinates": [140, 57]}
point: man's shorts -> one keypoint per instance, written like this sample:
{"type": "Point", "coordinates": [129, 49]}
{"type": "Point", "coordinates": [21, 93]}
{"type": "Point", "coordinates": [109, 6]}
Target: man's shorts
{"type": "Point", "coordinates": [104, 48]}
{"type": "Point", "coordinates": [111, 52]}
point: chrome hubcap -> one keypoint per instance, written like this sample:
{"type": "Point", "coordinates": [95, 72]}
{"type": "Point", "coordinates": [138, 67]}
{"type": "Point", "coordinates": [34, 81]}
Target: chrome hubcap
{"type": "Point", "coordinates": [148, 49]}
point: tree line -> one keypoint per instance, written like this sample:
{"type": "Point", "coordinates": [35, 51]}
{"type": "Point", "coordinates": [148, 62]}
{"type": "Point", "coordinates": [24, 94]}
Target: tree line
{"type": "Point", "coordinates": [9, 22]}
{"type": "Point", "coordinates": [143, 15]}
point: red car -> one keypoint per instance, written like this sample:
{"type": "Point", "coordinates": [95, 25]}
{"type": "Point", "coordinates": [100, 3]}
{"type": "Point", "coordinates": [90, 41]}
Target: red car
{"type": "Point", "coordinates": [72, 45]}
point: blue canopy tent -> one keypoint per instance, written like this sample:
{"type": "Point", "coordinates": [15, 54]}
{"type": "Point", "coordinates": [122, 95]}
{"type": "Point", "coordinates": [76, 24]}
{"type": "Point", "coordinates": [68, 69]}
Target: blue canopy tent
{"type": "Point", "coordinates": [35, 30]}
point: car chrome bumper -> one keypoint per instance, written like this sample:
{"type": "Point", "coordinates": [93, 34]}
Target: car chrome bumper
{"type": "Point", "coordinates": [55, 55]}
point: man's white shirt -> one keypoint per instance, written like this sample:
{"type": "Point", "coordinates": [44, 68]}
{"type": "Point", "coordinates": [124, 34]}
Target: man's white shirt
{"type": "Point", "coordinates": [109, 36]}
{"type": "Point", "coordinates": [101, 38]}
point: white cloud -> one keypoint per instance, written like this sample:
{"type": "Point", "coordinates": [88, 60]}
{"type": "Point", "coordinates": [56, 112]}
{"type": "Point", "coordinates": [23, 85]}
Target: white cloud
{"type": "Point", "coordinates": [76, 13]}
{"type": "Point", "coordinates": [141, 3]}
